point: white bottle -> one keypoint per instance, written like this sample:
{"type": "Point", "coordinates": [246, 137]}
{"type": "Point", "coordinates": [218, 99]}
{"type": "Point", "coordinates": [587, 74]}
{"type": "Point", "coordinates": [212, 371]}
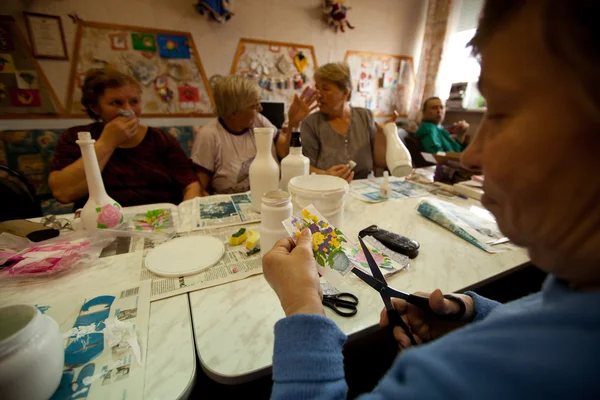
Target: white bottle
{"type": "Point", "coordinates": [264, 171]}
{"type": "Point", "coordinates": [397, 156]}
{"type": "Point", "coordinates": [100, 211]}
{"type": "Point", "coordinates": [294, 164]}
{"type": "Point", "coordinates": [276, 207]}
{"type": "Point", "coordinates": [384, 189]}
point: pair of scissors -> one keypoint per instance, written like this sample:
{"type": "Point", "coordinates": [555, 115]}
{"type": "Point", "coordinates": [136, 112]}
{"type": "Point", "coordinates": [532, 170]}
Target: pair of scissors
{"type": "Point", "coordinates": [377, 282]}
{"type": "Point", "coordinates": [343, 304]}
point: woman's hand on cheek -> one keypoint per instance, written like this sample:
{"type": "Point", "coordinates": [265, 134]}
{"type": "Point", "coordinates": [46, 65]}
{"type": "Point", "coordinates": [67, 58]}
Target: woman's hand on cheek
{"type": "Point", "coordinates": [291, 270]}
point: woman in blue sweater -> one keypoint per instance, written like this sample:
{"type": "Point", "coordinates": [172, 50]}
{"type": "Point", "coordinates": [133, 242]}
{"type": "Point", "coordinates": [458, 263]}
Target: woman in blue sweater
{"type": "Point", "coordinates": [539, 149]}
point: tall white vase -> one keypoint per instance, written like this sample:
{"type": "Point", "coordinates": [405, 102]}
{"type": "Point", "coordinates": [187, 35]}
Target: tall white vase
{"type": "Point", "coordinates": [397, 156]}
{"type": "Point", "coordinates": [264, 171]}
{"type": "Point", "coordinates": [100, 211]}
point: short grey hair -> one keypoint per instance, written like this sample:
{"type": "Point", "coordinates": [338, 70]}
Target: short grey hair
{"type": "Point", "coordinates": [337, 73]}
{"type": "Point", "coordinates": [233, 93]}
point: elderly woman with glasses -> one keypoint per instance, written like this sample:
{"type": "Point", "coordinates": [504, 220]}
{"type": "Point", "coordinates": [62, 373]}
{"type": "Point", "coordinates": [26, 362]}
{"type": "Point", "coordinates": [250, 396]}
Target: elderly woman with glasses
{"type": "Point", "coordinates": [225, 147]}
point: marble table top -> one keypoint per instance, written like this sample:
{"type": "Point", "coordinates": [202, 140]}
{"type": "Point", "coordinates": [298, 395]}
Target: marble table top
{"type": "Point", "coordinates": [170, 357]}
{"type": "Point", "coordinates": [233, 323]}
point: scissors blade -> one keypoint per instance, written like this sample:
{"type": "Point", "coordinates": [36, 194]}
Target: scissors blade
{"type": "Point", "coordinates": [368, 279]}
{"type": "Point", "coordinates": [372, 264]}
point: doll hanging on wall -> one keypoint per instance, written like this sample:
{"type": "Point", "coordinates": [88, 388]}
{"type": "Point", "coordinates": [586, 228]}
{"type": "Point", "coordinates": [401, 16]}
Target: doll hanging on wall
{"type": "Point", "coordinates": [335, 14]}
{"type": "Point", "coordinates": [219, 10]}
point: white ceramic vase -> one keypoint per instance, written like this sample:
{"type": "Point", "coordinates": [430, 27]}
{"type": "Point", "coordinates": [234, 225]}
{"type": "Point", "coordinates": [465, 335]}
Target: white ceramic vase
{"type": "Point", "coordinates": [31, 353]}
{"type": "Point", "coordinates": [397, 156]}
{"type": "Point", "coordinates": [100, 211]}
{"type": "Point", "coordinates": [264, 171]}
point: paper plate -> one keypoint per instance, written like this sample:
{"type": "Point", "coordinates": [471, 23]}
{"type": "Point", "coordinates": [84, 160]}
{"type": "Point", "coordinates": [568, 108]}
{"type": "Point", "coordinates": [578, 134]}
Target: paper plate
{"type": "Point", "coordinates": [184, 256]}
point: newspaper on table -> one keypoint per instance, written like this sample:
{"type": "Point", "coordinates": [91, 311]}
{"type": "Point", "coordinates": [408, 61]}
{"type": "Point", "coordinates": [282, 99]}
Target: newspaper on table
{"type": "Point", "coordinates": [467, 224]}
{"type": "Point", "coordinates": [368, 189]}
{"type": "Point", "coordinates": [234, 266]}
{"type": "Point", "coordinates": [105, 337]}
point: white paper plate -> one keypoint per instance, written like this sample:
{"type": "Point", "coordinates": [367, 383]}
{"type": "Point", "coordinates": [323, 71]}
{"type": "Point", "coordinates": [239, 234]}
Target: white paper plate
{"type": "Point", "coordinates": [185, 256]}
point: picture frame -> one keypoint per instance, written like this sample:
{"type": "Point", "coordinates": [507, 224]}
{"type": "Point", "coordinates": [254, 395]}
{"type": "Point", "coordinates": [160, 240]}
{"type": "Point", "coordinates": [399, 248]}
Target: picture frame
{"type": "Point", "coordinates": [46, 35]}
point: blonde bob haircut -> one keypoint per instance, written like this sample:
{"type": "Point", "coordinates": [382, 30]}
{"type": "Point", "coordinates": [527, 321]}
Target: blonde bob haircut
{"type": "Point", "coordinates": [337, 73]}
{"type": "Point", "coordinates": [234, 93]}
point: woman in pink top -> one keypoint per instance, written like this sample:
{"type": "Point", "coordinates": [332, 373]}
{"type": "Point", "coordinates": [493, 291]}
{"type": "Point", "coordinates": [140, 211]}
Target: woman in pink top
{"type": "Point", "coordinates": [225, 147]}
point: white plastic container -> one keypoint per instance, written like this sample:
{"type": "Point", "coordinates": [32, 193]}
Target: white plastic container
{"type": "Point", "coordinates": [100, 211]}
{"type": "Point", "coordinates": [264, 171]}
{"type": "Point", "coordinates": [397, 156]}
{"type": "Point", "coordinates": [384, 189]}
{"type": "Point", "coordinates": [327, 193]}
{"type": "Point", "coordinates": [276, 207]}
{"type": "Point", "coordinates": [31, 353]}
{"type": "Point", "coordinates": [295, 164]}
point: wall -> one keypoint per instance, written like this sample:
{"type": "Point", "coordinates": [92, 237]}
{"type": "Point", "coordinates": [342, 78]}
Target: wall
{"type": "Point", "coordinates": [385, 26]}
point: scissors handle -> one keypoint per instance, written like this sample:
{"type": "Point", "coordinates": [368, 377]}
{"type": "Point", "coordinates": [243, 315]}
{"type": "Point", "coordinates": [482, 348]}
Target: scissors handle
{"type": "Point", "coordinates": [396, 320]}
{"type": "Point", "coordinates": [344, 304]}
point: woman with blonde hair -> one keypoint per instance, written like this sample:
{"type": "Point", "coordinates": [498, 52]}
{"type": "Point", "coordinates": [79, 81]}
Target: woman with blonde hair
{"type": "Point", "coordinates": [225, 147]}
{"type": "Point", "coordinates": [139, 164]}
{"type": "Point", "coordinates": [340, 133]}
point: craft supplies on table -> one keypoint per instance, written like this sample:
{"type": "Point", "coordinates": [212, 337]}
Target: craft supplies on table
{"type": "Point", "coordinates": [367, 190]}
{"type": "Point", "coordinates": [327, 193]}
{"type": "Point", "coordinates": [276, 207]}
{"type": "Point", "coordinates": [184, 256]}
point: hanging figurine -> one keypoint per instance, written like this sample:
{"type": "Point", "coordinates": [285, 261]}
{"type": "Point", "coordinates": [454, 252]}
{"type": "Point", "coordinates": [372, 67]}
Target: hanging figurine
{"type": "Point", "coordinates": [335, 14]}
{"type": "Point", "coordinates": [300, 61]}
{"type": "Point", "coordinates": [219, 10]}
{"type": "Point", "coordinates": [162, 89]}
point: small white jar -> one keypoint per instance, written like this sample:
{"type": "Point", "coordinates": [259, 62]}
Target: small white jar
{"type": "Point", "coordinates": [276, 207]}
{"type": "Point", "coordinates": [31, 353]}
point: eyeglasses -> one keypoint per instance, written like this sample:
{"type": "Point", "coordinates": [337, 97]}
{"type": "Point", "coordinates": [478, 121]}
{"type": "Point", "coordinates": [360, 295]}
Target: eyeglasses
{"type": "Point", "coordinates": [50, 221]}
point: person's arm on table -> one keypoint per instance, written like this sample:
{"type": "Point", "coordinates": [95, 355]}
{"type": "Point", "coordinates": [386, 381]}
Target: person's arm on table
{"type": "Point", "coordinates": [67, 182]}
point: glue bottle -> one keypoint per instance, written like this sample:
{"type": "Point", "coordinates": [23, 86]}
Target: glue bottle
{"type": "Point", "coordinates": [384, 189]}
{"type": "Point", "coordinates": [294, 164]}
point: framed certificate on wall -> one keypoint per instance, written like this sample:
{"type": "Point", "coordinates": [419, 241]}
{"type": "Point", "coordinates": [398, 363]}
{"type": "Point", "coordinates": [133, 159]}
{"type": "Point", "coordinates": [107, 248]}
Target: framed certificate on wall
{"type": "Point", "coordinates": [46, 35]}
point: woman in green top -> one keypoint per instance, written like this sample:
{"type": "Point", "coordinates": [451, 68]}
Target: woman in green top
{"type": "Point", "coordinates": [433, 136]}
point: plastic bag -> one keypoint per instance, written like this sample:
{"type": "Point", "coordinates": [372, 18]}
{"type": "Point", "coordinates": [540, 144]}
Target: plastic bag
{"type": "Point", "coordinates": [21, 258]}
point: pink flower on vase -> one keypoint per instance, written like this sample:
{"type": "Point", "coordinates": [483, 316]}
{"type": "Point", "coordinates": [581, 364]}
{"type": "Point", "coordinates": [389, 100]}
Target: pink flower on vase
{"type": "Point", "coordinates": [109, 216]}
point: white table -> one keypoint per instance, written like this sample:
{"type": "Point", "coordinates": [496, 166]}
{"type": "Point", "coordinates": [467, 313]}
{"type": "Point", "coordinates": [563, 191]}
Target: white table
{"type": "Point", "coordinates": [171, 359]}
{"type": "Point", "coordinates": [233, 323]}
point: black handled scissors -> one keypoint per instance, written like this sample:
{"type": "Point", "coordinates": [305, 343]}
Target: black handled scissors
{"type": "Point", "coordinates": [343, 304]}
{"type": "Point", "coordinates": [377, 282]}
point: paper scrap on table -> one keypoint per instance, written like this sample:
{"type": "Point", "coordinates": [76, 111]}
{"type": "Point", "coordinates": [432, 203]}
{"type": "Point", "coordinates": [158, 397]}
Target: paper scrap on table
{"type": "Point", "coordinates": [388, 261]}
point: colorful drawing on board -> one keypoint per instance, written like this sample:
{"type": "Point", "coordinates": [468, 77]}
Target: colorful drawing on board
{"type": "Point", "coordinates": [172, 46]}
{"type": "Point", "coordinates": [188, 96]}
{"type": "Point", "coordinates": [25, 97]}
{"type": "Point", "coordinates": [143, 41]}
{"type": "Point", "coordinates": [390, 79]}
{"type": "Point", "coordinates": [27, 79]}
{"type": "Point", "coordinates": [327, 240]}
{"type": "Point", "coordinates": [7, 65]}
{"type": "Point", "coordinates": [6, 42]}
{"type": "Point", "coordinates": [118, 41]}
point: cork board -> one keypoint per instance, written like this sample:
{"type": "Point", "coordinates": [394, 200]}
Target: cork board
{"type": "Point", "coordinates": [165, 63]}
{"type": "Point", "coordinates": [281, 69]}
{"type": "Point", "coordinates": [381, 82]}
{"type": "Point", "coordinates": [24, 90]}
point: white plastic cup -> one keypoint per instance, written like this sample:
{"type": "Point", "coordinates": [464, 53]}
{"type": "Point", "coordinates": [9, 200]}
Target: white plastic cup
{"type": "Point", "coordinates": [31, 353]}
{"type": "Point", "coordinates": [327, 193]}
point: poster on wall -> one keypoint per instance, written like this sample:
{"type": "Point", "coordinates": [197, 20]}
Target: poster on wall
{"type": "Point", "coordinates": [384, 82]}
{"type": "Point", "coordinates": [164, 63]}
{"type": "Point", "coordinates": [281, 69]}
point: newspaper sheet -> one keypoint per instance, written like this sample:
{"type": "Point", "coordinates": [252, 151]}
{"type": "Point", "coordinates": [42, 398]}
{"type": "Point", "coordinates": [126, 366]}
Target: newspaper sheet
{"type": "Point", "coordinates": [95, 367]}
{"type": "Point", "coordinates": [233, 266]}
{"type": "Point", "coordinates": [467, 224]}
{"type": "Point", "coordinates": [224, 210]}
{"type": "Point", "coordinates": [368, 189]}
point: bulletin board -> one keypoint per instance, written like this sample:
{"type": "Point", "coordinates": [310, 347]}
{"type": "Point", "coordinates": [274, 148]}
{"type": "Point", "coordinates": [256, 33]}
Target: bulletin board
{"type": "Point", "coordinates": [165, 63]}
{"type": "Point", "coordinates": [24, 89]}
{"type": "Point", "coordinates": [381, 82]}
{"type": "Point", "coordinates": [280, 69]}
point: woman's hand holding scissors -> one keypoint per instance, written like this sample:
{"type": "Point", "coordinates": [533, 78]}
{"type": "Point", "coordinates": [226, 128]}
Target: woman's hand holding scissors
{"type": "Point", "coordinates": [427, 326]}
